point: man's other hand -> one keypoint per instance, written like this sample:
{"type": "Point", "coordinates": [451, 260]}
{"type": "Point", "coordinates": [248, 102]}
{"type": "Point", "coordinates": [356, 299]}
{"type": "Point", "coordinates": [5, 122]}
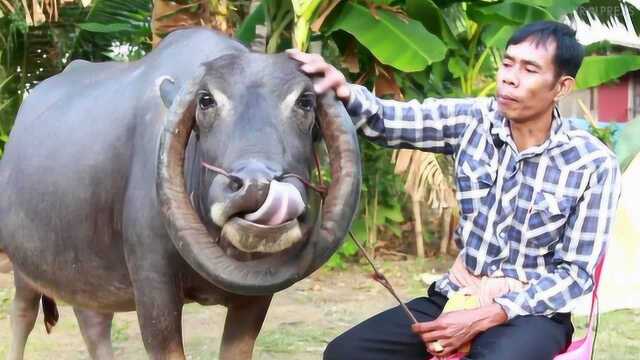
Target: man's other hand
{"type": "Point", "coordinates": [330, 77]}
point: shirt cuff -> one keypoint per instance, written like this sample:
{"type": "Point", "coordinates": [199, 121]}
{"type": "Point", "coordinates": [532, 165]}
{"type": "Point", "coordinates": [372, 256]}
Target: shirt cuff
{"type": "Point", "coordinates": [360, 98]}
{"type": "Point", "coordinates": [509, 305]}
{"type": "Point", "coordinates": [357, 99]}
{"type": "Point", "coordinates": [446, 287]}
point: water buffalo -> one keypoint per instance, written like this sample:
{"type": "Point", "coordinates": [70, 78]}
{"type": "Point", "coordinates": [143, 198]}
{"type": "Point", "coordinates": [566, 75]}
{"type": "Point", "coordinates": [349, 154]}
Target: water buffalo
{"type": "Point", "coordinates": [176, 178]}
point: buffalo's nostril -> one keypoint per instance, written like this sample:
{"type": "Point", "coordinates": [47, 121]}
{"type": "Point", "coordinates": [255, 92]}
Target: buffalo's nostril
{"type": "Point", "coordinates": [235, 183]}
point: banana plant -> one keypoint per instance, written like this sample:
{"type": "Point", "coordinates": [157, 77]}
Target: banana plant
{"type": "Point", "coordinates": [169, 15]}
{"type": "Point", "coordinates": [304, 11]}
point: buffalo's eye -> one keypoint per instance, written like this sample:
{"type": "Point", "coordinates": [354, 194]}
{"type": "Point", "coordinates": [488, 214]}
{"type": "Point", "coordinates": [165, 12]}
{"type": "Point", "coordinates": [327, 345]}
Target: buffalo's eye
{"type": "Point", "coordinates": [306, 101]}
{"type": "Point", "coordinates": [206, 101]}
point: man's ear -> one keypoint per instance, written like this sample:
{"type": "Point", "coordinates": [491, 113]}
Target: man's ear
{"type": "Point", "coordinates": [564, 86]}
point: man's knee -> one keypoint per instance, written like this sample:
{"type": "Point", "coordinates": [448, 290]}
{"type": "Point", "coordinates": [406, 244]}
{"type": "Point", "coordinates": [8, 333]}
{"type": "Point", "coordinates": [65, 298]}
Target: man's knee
{"type": "Point", "coordinates": [523, 338]}
{"type": "Point", "coordinates": [337, 349]}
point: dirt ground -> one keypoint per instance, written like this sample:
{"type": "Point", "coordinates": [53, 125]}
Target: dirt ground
{"type": "Point", "coordinates": [299, 324]}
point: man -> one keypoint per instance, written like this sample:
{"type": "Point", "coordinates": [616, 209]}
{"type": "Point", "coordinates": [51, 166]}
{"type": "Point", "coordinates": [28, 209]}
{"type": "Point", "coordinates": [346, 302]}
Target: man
{"type": "Point", "coordinates": [536, 197]}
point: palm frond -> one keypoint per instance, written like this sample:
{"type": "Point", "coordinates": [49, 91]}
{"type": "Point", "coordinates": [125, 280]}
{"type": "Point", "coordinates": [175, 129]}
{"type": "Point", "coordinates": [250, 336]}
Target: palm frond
{"type": "Point", "coordinates": [609, 13]}
{"type": "Point", "coordinates": [425, 178]}
{"type": "Point", "coordinates": [618, 25]}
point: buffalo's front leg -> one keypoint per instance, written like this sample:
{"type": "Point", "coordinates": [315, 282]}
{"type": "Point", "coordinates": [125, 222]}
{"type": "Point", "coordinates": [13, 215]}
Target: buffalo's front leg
{"type": "Point", "coordinates": [95, 328]}
{"type": "Point", "coordinates": [245, 316]}
{"type": "Point", "coordinates": [159, 306]}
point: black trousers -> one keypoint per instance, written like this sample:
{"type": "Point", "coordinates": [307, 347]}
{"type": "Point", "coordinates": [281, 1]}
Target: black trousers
{"type": "Point", "coordinates": [388, 336]}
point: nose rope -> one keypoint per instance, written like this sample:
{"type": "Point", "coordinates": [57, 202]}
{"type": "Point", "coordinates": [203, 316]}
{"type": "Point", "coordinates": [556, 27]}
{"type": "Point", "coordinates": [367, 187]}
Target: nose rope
{"type": "Point", "coordinates": [223, 172]}
{"type": "Point", "coordinates": [320, 188]}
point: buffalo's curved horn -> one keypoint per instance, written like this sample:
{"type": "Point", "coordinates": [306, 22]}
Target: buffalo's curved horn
{"type": "Point", "coordinates": [341, 202]}
{"type": "Point", "coordinates": [270, 274]}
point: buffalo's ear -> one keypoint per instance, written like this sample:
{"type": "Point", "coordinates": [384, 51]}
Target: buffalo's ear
{"type": "Point", "coordinates": [167, 89]}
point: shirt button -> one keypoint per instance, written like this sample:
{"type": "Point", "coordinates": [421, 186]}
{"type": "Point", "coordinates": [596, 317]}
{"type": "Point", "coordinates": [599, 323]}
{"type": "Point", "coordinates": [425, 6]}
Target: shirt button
{"type": "Point", "coordinates": [503, 234]}
{"type": "Point", "coordinates": [494, 268]}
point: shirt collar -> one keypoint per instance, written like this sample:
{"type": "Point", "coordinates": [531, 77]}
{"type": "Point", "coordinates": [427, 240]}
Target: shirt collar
{"type": "Point", "coordinates": [501, 133]}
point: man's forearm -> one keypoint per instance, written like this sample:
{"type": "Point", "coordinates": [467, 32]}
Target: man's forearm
{"type": "Point", "coordinates": [488, 316]}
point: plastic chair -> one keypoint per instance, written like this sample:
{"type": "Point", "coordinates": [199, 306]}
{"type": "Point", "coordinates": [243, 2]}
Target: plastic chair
{"type": "Point", "coordinates": [580, 349]}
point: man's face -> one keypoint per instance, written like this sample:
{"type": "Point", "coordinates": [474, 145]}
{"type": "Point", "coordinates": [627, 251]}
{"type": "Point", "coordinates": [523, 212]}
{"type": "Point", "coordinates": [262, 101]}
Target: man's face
{"type": "Point", "coordinates": [527, 85]}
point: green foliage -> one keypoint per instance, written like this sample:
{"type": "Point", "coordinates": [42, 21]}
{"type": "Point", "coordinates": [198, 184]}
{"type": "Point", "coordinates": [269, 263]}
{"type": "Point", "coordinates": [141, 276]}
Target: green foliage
{"type": "Point", "coordinates": [107, 23]}
{"type": "Point", "coordinates": [119, 331]}
{"type": "Point", "coordinates": [103, 28]}
{"type": "Point", "coordinates": [292, 338]}
{"type": "Point", "coordinates": [508, 13]}
{"type": "Point", "coordinates": [564, 7]}
{"type": "Point", "coordinates": [433, 19]}
{"type": "Point", "coordinates": [628, 145]}
{"type": "Point", "coordinates": [407, 46]}
{"type": "Point", "coordinates": [6, 297]}
{"type": "Point", "coordinates": [246, 32]}
{"type": "Point", "coordinates": [4, 104]}
{"type": "Point", "coordinates": [381, 204]}
{"type": "Point", "coordinates": [596, 70]}
{"type": "Point", "coordinates": [338, 261]}
{"type": "Point", "coordinates": [277, 16]}
{"type": "Point", "coordinates": [29, 55]}
{"type": "Point", "coordinates": [617, 334]}
{"type": "Point", "coordinates": [604, 134]}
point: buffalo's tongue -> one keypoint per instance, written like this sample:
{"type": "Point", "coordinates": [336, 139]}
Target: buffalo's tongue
{"type": "Point", "coordinates": [282, 204]}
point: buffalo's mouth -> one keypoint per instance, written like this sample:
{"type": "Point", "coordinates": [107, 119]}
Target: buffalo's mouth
{"type": "Point", "coordinates": [245, 240]}
{"type": "Point", "coordinates": [277, 225]}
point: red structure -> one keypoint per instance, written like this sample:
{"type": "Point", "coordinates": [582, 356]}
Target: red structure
{"type": "Point", "coordinates": [619, 101]}
{"type": "Point", "coordinates": [613, 101]}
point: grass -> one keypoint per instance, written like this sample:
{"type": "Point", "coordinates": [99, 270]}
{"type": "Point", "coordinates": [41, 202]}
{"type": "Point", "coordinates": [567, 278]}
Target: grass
{"type": "Point", "coordinates": [618, 334]}
{"type": "Point", "coordinates": [293, 338]}
{"type": "Point", "coordinates": [6, 295]}
{"type": "Point", "coordinates": [119, 331]}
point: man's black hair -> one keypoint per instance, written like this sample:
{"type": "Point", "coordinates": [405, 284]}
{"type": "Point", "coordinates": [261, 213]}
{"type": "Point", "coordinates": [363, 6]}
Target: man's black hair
{"type": "Point", "coordinates": [569, 53]}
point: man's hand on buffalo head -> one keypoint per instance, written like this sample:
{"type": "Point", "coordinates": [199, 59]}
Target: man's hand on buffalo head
{"type": "Point", "coordinates": [328, 76]}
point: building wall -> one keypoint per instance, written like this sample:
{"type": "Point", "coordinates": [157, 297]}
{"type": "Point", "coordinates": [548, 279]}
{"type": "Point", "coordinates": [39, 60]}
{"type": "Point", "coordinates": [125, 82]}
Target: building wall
{"type": "Point", "coordinates": [613, 100]}
{"type": "Point", "coordinates": [570, 108]}
{"type": "Point", "coordinates": [617, 101]}
{"type": "Point", "coordinates": [634, 112]}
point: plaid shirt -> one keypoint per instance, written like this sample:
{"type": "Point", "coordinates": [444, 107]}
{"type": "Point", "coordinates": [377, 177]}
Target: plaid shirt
{"type": "Point", "coordinates": [542, 215]}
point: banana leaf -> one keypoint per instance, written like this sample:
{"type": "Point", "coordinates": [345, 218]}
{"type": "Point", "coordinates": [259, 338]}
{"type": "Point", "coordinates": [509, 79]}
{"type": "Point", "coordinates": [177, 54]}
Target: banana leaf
{"type": "Point", "coordinates": [507, 13]}
{"type": "Point", "coordinates": [596, 70]}
{"type": "Point", "coordinates": [404, 44]}
{"type": "Point", "coordinates": [247, 30]}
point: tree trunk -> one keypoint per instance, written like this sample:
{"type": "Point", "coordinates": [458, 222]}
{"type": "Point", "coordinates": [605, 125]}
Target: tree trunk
{"type": "Point", "coordinates": [415, 201]}
{"type": "Point", "coordinates": [445, 223]}
{"type": "Point", "coordinates": [373, 231]}
{"type": "Point", "coordinates": [453, 247]}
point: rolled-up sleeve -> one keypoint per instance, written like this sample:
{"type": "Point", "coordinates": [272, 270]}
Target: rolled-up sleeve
{"type": "Point", "coordinates": [435, 125]}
